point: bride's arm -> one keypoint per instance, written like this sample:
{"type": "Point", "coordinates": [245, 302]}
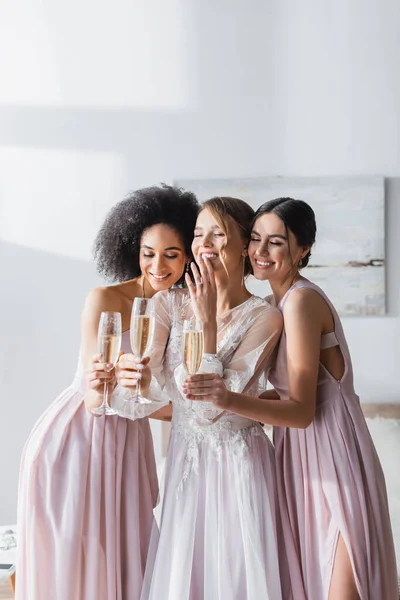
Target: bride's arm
{"type": "Point", "coordinates": [248, 365]}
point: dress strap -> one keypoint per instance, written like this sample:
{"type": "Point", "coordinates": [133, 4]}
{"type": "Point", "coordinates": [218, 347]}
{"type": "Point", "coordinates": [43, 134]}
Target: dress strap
{"type": "Point", "coordinates": [301, 283]}
{"type": "Point", "coordinates": [329, 340]}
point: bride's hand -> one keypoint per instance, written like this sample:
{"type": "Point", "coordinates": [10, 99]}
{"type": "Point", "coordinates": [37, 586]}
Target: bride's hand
{"type": "Point", "coordinates": [207, 387]}
{"type": "Point", "coordinates": [203, 293]}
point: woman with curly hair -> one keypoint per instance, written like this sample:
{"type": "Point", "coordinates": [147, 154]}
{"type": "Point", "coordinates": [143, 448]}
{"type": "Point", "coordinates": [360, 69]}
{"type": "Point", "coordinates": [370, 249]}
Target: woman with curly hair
{"type": "Point", "coordinates": [88, 484]}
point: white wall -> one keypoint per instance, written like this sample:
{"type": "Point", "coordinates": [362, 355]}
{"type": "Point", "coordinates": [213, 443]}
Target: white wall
{"type": "Point", "coordinates": [99, 98]}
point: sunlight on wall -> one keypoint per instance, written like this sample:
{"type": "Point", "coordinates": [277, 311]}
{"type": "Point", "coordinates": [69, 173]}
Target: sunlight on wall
{"type": "Point", "coordinates": [119, 54]}
{"type": "Point", "coordinates": [56, 200]}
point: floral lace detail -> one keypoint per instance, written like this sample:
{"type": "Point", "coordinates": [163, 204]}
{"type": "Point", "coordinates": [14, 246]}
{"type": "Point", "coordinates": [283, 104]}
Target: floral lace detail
{"type": "Point", "coordinates": [216, 435]}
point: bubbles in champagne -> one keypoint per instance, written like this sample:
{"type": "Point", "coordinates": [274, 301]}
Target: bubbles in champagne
{"type": "Point", "coordinates": [142, 327]}
{"type": "Point", "coordinates": [192, 351]}
{"type": "Point", "coordinates": [109, 347]}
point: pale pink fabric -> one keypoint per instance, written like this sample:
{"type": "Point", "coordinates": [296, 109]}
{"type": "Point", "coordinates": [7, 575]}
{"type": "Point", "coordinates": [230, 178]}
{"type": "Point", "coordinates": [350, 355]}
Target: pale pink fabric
{"type": "Point", "coordinates": [330, 481]}
{"type": "Point", "coordinates": [85, 513]}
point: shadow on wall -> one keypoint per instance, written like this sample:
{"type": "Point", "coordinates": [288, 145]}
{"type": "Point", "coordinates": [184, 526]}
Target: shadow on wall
{"type": "Point", "coordinates": [41, 302]}
{"type": "Point", "coordinates": [154, 142]}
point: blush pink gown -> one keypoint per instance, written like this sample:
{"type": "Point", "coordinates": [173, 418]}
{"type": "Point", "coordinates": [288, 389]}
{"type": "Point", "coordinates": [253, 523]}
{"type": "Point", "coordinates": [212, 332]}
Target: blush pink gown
{"type": "Point", "coordinates": [330, 481]}
{"type": "Point", "coordinates": [86, 495]}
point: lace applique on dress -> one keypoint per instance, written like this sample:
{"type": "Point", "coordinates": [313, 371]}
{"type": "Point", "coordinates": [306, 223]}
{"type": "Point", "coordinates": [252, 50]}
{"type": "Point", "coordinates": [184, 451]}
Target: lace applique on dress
{"type": "Point", "coordinates": [215, 435]}
{"type": "Point", "coordinates": [243, 336]}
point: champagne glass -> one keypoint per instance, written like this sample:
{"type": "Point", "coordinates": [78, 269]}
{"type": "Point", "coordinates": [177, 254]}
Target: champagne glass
{"type": "Point", "coordinates": [108, 345]}
{"type": "Point", "coordinates": [141, 334]}
{"type": "Point", "coordinates": [193, 342]}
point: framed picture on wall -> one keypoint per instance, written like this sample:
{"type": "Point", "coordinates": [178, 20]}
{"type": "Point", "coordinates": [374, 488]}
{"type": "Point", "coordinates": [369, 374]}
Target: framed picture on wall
{"type": "Point", "coordinates": [348, 260]}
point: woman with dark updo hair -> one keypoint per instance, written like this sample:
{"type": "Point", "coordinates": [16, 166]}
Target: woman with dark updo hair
{"type": "Point", "coordinates": [88, 484]}
{"type": "Point", "coordinates": [331, 487]}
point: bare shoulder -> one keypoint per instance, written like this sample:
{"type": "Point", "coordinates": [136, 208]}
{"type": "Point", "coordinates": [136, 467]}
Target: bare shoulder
{"type": "Point", "coordinates": [102, 299]}
{"type": "Point", "coordinates": [305, 301]}
{"type": "Point", "coordinates": [306, 309]}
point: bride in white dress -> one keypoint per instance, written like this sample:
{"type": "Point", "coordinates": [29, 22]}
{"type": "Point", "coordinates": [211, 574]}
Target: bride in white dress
{"type": "Point", "coordinates": [219, 535]}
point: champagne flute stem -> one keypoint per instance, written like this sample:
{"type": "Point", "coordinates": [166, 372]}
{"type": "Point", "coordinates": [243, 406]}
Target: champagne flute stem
{"type": "Point", "coordinates": [137, 392]}
{"type": "Point", "coordinates": [105, 400]}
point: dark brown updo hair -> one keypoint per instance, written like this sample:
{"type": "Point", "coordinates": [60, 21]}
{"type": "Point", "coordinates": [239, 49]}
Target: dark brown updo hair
{"type": "Point", "coordinates": [239, 211]}
{"type": "Point", "coordinates": [296, 215]}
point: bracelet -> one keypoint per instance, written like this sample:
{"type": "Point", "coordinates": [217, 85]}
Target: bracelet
{"type": "Point", "coordinates": [208, 357]}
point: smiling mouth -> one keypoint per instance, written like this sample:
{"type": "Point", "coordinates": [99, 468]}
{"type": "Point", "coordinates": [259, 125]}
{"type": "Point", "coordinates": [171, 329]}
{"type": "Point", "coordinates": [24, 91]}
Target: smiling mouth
{"type": "Point", "coordinates": [208, 255]}
{"type": "Point", "coordinates": [263, 264]}
{"type": "Point", "coordinates": [160, 277]}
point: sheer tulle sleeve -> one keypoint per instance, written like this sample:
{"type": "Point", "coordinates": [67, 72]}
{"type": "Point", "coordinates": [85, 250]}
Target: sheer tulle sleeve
{"type": "Point", "coordinates": [157, 392]}
{"type": "Point", "coordinates": [248, 367]}
{"type": "Point", "coordinates": [245, 351]}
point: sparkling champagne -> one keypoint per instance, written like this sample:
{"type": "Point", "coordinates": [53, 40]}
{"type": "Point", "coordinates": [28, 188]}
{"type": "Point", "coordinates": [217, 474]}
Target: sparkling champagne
{"type": "Point", "coordinates": [109, 337]}
{"type": "Point", "coordinates": [109, 347]}
{"type": "Point", "coordinates": [192, 351]}
{"type": "Point", "coordinates": [142, 328]}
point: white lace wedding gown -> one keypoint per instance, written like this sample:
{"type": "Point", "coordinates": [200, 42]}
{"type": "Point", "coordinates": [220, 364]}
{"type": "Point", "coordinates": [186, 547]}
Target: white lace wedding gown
{"type": "Point", "coordinates": [219, 533]}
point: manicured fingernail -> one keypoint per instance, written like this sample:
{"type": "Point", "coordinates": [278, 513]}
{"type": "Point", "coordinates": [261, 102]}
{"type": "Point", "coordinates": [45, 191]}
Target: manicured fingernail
{"type": "Point", "coordinates": [140, 367]}
{"type": "Point", "coordinates": [109, 366]}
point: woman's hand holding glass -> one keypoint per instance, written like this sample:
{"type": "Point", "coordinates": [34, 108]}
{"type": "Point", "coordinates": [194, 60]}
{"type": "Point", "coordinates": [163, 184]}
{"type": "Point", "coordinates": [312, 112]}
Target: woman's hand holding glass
{"type": "Point", "coordinates": [207, 387]}
{"type": "Point", "coordinates": [141, 335]}
{"type": "Point", "coordinates": [108, 344]}
{"type": "Point", "coordinates": [129, 371]}
{"type": "Point", "coordinates": [99, 373]}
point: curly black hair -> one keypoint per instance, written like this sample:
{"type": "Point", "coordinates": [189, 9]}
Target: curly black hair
{"type": "Point", "coordinates": [117, 245]}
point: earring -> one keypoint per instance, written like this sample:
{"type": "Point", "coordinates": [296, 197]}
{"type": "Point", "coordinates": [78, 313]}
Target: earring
{"type": "Point", "coordinates": [302, 260]}
{"type": "Point", "coordinates": [187, 269]}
